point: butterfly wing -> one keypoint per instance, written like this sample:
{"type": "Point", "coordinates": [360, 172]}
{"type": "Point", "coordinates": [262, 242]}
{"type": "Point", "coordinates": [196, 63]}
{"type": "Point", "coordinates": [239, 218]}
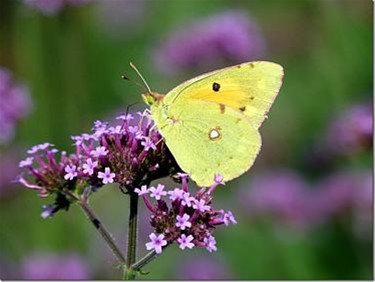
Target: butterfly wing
{"type": "Point", "coordinates": [249, 88]}
{"type": "Point", "coordinates": [205, 140]}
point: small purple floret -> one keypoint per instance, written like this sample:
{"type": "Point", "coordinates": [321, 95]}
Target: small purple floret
{"type": "Point", "coordinates": [185, 241]}
{"type": "Point", "coordinates": [71, 172]}
{"type": "Point", "coordinates": [143, 191]}
{"type": "Point", "coordinates": [157, 192]}
{"type": "Point", "coordinates": [107, 176]}
{"type": "Point", "coordinates": [26, 162]}
{"type": "Point", "coordinates": [157, 242]}
{"type": "Point", "coordinates": [183, 222]}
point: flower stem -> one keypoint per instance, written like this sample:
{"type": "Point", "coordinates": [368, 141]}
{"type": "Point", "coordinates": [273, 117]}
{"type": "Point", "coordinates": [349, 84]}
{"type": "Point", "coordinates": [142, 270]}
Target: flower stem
{"type": "Point", "coordinates": [129, 273]}
{"type": "Point", "coordinates": [145, 260]}
{"type": "Point", "coordinates": [103, 231]}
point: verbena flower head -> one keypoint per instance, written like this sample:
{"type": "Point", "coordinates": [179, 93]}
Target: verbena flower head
{"type": "Point", "coordinates": [281, 194]}
{"type": "Point", "coordinates": [285, 197]}
{"type": "Point", "coordinates": [16, 107]}
{"type": "Point", "coordinates": [108, 154]}
{"type": "Point", "coordinates": [352, 130]}
{"type": "Point", "coordinates": [52, 7]}
{"type": "Point", "coordinates": [188, 225]}
{"type": "Point", "coordinates": [343, 193]}
{"type": "Point", "coordinates": [226, 38]}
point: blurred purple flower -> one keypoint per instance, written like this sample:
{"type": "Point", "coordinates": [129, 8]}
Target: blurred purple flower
{"type": "Point", "coordinates": [351, 131]}
{"type": "Point", "coordinates": [282, 194]}
{"type": "Point", "coordinates": [52, 7]}
{"type": "Point", "coordinates": [285, 197]}
{"type": "Point", "coordinates": [16, 107]}
{"type": "Point", "coordinates": [52, 266]}
{"type": "Point", "coordinates": [227, 38]}
{"type": "Point", "coordinates": [346, 193]}
{"type": "Point", "coordinates": [203, 268]}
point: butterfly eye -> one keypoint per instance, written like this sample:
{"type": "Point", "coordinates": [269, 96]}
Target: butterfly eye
{"type": "Point", "coordinates": [215, 86]}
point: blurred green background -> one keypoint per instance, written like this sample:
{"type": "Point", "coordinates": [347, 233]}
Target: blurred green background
{"type": "Point", "coordinates": [71, 60]}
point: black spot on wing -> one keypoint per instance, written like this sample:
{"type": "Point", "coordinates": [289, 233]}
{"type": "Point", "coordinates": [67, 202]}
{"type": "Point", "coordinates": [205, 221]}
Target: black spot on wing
{"type": "Point", "coordinates": [215, 86]}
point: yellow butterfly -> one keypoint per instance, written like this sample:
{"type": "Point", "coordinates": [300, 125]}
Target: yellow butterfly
{"type": "Point", "coordinates": [210, 123]}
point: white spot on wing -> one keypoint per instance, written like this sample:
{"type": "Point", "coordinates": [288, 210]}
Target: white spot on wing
{"type": "Point", "coordinates": [214, 134]}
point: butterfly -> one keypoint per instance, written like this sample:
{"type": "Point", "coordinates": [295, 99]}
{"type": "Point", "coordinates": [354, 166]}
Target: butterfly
{"type": "Point", "coordinates": [210, 123]}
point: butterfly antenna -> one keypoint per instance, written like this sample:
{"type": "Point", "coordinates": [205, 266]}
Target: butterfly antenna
{"type": "Point", "coordinates": [139, 74]}
{"type": "Point", "coordinates": [124, 77]}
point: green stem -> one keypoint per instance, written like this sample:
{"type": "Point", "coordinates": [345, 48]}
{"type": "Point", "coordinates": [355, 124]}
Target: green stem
{"type": "Point", "coordinates": [129, 273]}
{"type": "Point", "coordinates": [143, 261]}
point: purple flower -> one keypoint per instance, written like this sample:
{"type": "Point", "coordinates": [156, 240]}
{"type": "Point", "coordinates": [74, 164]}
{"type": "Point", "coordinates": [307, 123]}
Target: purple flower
{"type": "Point", "coordinates": [177, 221]}
{"type": "Point", "coordinates": [187, 200]}
{"type": "Point", "coordinates": [107, 175]}
{"type": "Point", "coordinates": [148, 144]}
{"type": "Point", "coordinates": [89, 166]}
{"type": "Point", "coordinates": [287, 198]}
{"type": "Point", "coordinates": [47, 211]}
{"type": "Point", "coordinates": [143, 191]}
{"type": "Point", "coordinates": [219, 179]}
{"type": "Point", "coordinates": [100, 157]}
{"type": "Point", "coordinates": [227, 38]}
{"type": "Point", "coordinates": [157, 192]}
{"type": "Point", "coordinates": [282, 194]}
{"type": "Point", "coordinates": [54, 267]}
{"type": "Point", "coordinates": [26, 162]}
{"type": "Point", "coordinates": [52, 7]}
{"type": "Point", "coordinates": [342, 193]}
{"type": "Point", "coordinates": [183, 222]}
{"type": "Point", "coordinates": [228, 218]}
{"type": "Point", "coordinates": [71, 172]}
{"type": "Point", "coordinates": [176, 194]}
{"type": "Point", "coordinates": [351, 131]}
{"type": "Point", "coordinates": [126, 117]}
{"type": "Point", "coordinates": [17, 105]}
{"type": "Point", "coordinates": [115, 130]}
{"type": "Point", "coordinates": [156, 243]}
{"type": "Point", "coordinates": [185, 241]}
{"type": "Point", "coordinates": [201, 205]}
{"type": "Point", "coordinates": [210, 242]}
{"type": "Point", "coordinates": [99, 151]}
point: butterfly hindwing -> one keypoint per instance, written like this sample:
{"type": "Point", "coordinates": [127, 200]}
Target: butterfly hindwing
{"type": "Point", "coordinates": [207, 140]}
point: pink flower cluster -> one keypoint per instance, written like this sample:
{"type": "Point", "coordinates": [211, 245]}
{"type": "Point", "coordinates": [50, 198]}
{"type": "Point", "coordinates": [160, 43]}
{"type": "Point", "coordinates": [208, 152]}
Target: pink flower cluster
{"type": "Point", "coordinates": [123, 154]}
{"type": "Point", "coordinates": [181, 217]}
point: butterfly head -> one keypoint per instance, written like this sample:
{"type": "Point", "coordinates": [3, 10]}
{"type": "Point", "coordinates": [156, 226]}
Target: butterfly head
{"type": "Point", "coordinates": [152, 98]}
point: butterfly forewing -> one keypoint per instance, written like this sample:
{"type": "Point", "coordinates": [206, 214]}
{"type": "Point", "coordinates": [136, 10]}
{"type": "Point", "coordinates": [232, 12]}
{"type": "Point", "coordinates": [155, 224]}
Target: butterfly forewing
{"type": "Point", "coordinates": [249, 88]}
